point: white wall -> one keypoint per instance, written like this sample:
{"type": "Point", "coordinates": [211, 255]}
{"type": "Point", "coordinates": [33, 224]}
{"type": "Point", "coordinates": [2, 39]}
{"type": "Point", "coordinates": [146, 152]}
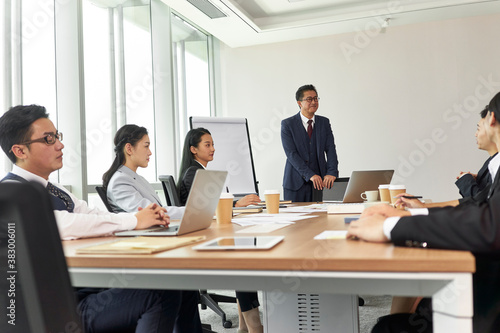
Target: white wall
{"type": "Point", "coordinates": [389, 98]}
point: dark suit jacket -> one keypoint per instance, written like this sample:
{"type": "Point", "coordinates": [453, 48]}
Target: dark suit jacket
{"type": "Point", "coordinates": [468, 186]}
{"type": "Point", "coordinates": [295, 145]}
{"type": "Point", "coordinates": [473, 226]}
{"type": "Point", "coordinates": [187, 181]}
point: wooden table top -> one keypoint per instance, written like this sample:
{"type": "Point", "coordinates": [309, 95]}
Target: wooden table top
{"type": "Point", "coordinates": [299, 251]}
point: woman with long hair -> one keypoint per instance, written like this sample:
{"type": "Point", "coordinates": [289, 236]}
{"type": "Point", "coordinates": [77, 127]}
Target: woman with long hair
{"type": "Point", "coordinates": [125, 189]}
{"type": "Point", "coordinates": [197, 152]}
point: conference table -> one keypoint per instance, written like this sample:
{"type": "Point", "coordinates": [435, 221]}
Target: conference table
{"type": "Point", "coordinates": [299, 265]}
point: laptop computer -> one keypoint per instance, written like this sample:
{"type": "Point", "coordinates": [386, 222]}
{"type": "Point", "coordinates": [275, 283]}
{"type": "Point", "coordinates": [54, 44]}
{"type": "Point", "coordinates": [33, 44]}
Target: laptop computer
{"type": "Point", "coordinates": [360, 181]}
{"type": "Point", "coordinates": [200, 206]}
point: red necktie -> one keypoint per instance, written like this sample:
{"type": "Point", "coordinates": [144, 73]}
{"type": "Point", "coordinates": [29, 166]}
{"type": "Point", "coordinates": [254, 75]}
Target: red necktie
{"type": "Point", "coordinates": [309, 128]}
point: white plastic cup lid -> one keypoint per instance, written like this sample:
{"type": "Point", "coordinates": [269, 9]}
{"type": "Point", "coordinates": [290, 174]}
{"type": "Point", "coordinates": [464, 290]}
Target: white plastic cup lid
{"type": "Point", "coordinates": [397, 187]}
{"type": "Point", "coordinates": [384, 186]}
{"type": "Point", "coordinates": [271, 192]}
{"type": "Point", "coordinates": [226, 196]}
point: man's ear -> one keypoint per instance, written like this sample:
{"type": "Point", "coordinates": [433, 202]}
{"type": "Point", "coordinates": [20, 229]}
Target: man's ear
{"type": "Point", "coordinates": [492, 120]}
{"type": "Point", "coordinates": [19, 151]}
{"type": "Point", "coordinates": [299, 103]}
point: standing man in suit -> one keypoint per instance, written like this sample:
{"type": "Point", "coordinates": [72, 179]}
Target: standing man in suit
{"type": "Point", "coordinates": [306, 139]}
{"type": "Point", "coordinates": [470, 184]}
{"type": "Point", "coordinates": [474, 226]}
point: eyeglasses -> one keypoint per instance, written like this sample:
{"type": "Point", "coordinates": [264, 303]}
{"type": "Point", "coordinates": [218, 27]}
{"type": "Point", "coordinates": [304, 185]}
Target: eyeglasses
{"type": "Point", "coordinates": [310, 99]}
{"type": "Point", "coordinates": [49, 139]}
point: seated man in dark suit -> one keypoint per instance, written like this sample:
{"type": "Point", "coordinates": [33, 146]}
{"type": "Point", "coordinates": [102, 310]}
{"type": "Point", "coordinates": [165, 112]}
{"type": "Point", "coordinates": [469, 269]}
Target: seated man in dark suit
{"type": "Point", "coordinates": [471, 184]}
{"type": "Point", "coordinates": [32, 142]}
{"type": "Point", "coordinates": [471, 226]}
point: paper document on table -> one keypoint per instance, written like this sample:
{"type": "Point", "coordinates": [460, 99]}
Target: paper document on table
{"type": "Point", "coordinates": [139, 245]}
{"type": "Point", "coordinates": [313, 208]}
{"type": "Point", "coordinates": [332, 234]}
{"type": "Point", "coordinates": [270, 218]}
{"type": "Point", "coordinates": [263, 228]}
{"type": "Point", "coordinates": [346, 208]}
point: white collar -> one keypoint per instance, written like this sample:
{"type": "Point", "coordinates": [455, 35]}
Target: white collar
{"type": "Point", "coordinates": [493, 167]}
{"type": "Point", "coordinates": [31, 177]}
{"type": "Point", "coordinates": [200, 164]}
{"type": "Point", "coordinates": [305, 119]}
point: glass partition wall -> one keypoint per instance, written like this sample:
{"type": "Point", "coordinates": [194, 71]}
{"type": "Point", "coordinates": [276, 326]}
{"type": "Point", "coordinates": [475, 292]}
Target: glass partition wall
{"type": "Point", "coordinates": [121, 79]}
{"type": "Point", "coordinates": [136, 62]}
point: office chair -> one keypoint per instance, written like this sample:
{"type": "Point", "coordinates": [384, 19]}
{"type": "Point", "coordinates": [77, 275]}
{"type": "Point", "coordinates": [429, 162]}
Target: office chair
{"type": "Point", "coordinates": [31, 255]}
{"type": "Point", "coordinates": [337, 191]}
{"type": "Point", "coordinates": [170, 189]}
{"type": "Point", "coordinates": [104, 197]}
{"type": "Point", "coordinates": [209, 300]}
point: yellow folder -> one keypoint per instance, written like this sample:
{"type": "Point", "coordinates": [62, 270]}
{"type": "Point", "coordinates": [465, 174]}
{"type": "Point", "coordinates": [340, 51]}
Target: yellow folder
{"type": "Point", "coordinates": [139, 245]}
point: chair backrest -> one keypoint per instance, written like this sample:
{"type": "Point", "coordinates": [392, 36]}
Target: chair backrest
{"type": "Point", "coordinates": [37, 295]}
{"type": "Point", "coordinates": [170, 189]}
{"type": "Point", "coordinates": [104, 197]}
{"type": "Point", "coordinates": [336, 193]}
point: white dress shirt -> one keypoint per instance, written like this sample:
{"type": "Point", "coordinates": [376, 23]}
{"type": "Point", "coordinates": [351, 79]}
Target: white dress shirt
{"type": "Point", "coordinates": [390, 222]}
{"type": "Point", "coordinates": [83, 222]}
{"type": "Point", "coordinates": [305, 120]}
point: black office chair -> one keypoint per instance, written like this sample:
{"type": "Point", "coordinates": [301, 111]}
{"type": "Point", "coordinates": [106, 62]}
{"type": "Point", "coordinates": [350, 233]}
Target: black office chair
{"type": "Point", "coordinates": [337, 191]}
{"type": "Point", "coordinates": [170, 189]}
{"type": "Point", "coordinates": [209, 300]}
{"type": "Point", "coordinates": [32, 257]}
{"type": "Point", "coordinates": [104, 197]}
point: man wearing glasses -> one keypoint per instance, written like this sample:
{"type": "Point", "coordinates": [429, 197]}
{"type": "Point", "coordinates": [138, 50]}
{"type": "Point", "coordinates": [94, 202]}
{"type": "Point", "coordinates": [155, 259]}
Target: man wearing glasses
{"type": "Point", "coordinates": [32, 142]}
{"type": "Point", "coordinates": [306, 138]}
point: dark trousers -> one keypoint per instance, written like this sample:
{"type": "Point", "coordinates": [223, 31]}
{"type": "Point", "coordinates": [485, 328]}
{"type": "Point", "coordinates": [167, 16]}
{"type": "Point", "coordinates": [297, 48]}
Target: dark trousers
{"type": "Point", "coordinates": [140, 310]}
{"type": "Point", "coordinates": [247, 300]}
{"type": "Point", "coordinates": [418, 322]}
{"type": "Point", "coordinates": [306, 193]}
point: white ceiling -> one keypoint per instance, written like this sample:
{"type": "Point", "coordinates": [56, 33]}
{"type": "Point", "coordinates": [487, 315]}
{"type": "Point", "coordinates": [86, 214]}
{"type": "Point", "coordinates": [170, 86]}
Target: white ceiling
{"type": "Point", "coordinates": [251, 22]}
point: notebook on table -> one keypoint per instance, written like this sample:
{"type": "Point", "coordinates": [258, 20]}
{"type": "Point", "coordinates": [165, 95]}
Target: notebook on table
{"type": "Point", "coordinates": [200, 206]}
{"type": "Point", "coordinates": [360, 181]}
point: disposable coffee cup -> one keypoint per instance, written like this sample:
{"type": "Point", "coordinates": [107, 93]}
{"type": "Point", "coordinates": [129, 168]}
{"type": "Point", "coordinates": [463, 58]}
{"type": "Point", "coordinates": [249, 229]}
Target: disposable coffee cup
{"type": "Point", "coordinates": [224, 211]}
{"type": "Point", "coordinates": [272, 201]}
{"type": "Point", "coordinates": [370, 196]}
{"type": "Point", "coordinates": [395, 190]}
{"type": "Point", "coordinates": [385, 195]}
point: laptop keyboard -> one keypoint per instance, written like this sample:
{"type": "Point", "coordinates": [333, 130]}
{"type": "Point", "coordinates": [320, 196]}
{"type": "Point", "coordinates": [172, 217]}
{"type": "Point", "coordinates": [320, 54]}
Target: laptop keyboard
{"type": "Point", "coordinates": [167, 229]}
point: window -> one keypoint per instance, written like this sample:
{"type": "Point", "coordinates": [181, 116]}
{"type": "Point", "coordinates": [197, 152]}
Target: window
{"type": "Point", "coordinates": [38, 56]}
{"type": "Point", "coordinates": [191, 71]}
{"type": "Point", "coordinates": [118, 80]}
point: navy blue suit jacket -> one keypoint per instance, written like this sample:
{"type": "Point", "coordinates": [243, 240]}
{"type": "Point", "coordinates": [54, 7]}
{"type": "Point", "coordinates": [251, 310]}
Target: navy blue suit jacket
{"type": "Point", "coordinates": [295, 145]}
{"type": "Point", "coordinates": [472, 226]}
{"type": "Point", "coordinates": [469, 186]}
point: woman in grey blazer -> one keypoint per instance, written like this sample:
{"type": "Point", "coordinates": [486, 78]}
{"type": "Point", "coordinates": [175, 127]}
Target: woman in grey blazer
{"type": "Point", "coordinates": [125, 189]}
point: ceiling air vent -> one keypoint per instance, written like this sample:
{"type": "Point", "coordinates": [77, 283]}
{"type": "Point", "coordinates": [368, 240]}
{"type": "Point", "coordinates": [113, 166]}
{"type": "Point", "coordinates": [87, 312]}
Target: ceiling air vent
{"type": "Point", "coordinates": [207, 8]}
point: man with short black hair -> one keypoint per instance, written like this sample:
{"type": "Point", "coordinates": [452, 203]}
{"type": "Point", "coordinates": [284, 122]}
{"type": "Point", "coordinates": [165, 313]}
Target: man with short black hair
{"type": "Point", "coordinates": [32, 142]}
{"type": "Point", "coordinates": [306, 139]}
{"type": "Point", "coordinates": [471, 184]}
